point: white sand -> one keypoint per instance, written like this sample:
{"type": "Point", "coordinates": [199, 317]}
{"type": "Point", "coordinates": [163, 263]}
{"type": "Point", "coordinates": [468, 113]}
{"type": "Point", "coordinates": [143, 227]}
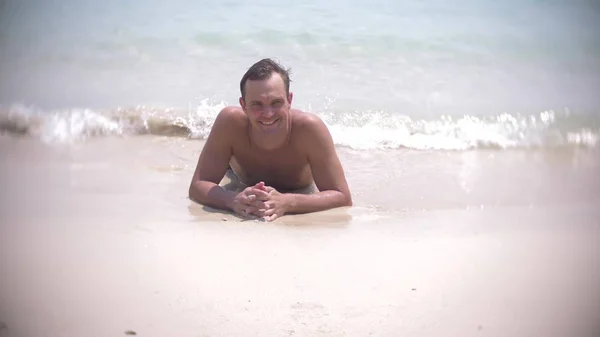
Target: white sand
{"type": "Point", "coordinates": [95, 248]}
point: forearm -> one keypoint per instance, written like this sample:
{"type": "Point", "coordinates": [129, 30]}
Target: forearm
{"type": "Point", "coordinates": [211, 194]}
{"type": "Point", "coordinates": [305, 203]}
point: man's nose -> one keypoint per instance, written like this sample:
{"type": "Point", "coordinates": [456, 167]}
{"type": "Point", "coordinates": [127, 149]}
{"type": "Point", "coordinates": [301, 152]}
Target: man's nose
{"type": "Point", "coordinates": [268, 111]}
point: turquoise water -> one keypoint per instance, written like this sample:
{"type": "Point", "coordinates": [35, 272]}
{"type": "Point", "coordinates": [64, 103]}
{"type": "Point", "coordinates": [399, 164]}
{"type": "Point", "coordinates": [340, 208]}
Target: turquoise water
{"type": "Point", "coordinates": [396, 60]}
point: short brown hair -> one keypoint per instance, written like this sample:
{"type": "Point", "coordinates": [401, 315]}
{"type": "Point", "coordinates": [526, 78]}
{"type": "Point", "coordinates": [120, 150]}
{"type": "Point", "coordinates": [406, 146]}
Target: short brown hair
{"type": "Point", "coordinates": [262, 70]}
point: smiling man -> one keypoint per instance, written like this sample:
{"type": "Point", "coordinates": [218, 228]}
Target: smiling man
{"type": "Point", "coordinates": [273, 149]}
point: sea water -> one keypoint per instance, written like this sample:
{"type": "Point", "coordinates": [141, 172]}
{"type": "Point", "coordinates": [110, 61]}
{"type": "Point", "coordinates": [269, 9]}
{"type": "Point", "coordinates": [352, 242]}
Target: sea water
{"type": "Point", "coordinates": [454, 105]}
{"type": "Point", "coordinates": [383, 74]}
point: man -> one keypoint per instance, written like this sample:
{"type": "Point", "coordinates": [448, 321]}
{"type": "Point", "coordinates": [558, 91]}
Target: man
{"type": "Point", "coordinates": [273, 149]}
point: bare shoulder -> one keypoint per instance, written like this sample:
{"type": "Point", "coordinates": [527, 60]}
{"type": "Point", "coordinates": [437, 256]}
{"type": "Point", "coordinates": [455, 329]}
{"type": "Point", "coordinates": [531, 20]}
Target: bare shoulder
{"type": "Point", "coordinates": [232, 116]}
{"type": "Point", "coordinates": [308, 124]}
{"type": "Point", "coordinates": [230, 123]}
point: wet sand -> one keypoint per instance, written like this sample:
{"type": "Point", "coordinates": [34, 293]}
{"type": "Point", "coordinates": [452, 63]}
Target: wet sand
{"type": "Point", "coordinates": [100, 239]}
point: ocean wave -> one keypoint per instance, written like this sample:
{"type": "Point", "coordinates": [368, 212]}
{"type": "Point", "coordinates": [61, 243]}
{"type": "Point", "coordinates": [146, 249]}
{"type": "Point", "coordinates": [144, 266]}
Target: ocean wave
{"type": "Point", "coordinates": [362, 130]}
{"type": "Point", "coordinates": [74, 125]}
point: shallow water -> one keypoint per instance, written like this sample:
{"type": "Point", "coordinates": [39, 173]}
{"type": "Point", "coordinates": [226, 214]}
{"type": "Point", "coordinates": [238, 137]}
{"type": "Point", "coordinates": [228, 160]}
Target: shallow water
{"type": "Point", "coordinates": [157, 170]}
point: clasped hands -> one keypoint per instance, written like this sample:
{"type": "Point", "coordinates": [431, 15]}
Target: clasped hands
{"type": "Point", "coordinates": [260, 201]}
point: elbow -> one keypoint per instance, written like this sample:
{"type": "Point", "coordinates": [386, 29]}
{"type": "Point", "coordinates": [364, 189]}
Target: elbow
{"type": "Point", "coordinates": [343, 198]}
{"type": "Point", "coordinates": [347, 200]}
{"type": "Point", "coordinates": [192, 192]}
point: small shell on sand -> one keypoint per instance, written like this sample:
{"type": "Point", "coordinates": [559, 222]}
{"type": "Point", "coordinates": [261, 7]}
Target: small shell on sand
{"type": "Point", "coordinates": [130, 333]}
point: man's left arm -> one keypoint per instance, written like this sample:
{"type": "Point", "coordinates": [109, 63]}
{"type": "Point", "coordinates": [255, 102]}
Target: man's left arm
{"type": "Point", "coordinates": [327, 172]}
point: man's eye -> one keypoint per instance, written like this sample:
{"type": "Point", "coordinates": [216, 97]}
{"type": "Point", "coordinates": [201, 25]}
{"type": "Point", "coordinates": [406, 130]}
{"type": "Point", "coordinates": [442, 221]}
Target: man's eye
{"type": "Point", "coordinates": [278, 103]}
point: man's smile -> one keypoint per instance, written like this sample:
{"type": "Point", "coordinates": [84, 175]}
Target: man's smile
{"type": "Point", "coordinates": [268, 125]}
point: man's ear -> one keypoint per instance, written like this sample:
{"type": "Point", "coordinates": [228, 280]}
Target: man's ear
{"type": "Point", "coordinates": [242, 103]}
{"type": "Point", "coordinates": [290, 97]}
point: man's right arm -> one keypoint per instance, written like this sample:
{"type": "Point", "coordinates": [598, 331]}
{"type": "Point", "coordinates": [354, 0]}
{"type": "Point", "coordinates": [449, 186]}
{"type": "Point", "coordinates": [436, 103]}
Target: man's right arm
{"type": "Point", "coordinates": [213, 162]}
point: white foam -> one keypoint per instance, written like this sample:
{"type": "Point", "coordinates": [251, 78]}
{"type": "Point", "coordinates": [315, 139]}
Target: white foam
{"type": "Point", "coordinates": [76, 125]}
{"type": "Point", "coordinates": [358, 130]}
{"type": "Point", "coordinates": [583, 137]}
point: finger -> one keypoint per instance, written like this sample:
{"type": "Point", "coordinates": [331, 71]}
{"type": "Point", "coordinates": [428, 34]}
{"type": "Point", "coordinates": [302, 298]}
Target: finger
{"type": "Point", "coordinates": [250, 189]}
{"type": "Point", "coordinates": [254, 199]}
{"type": "Point", "coordinates": [254, 189]}
{"type": "Point", "coordinates": [247, 200]}
{"type": "Point", "coordinates": [246, 211]}
{"type": "Point", "coordinates": [268, 212]}
{"type": "Point", "coordinates": [257, 204]}
{"type": "Point", "coordinates": [261, 195]}
{"type": "Point", "coordinates": [247, 192]}
{"type": "Point", "coordinates": [269, 204]}
{"type": "Point", "coordinates": [271, 217]}
{"type": "Point", "coordinates": [263, 212]}
{"type": "Point", "coordinates": [260, 185]}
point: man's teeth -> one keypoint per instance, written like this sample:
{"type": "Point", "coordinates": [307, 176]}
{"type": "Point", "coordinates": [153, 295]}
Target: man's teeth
{"type": "Point", "coordinates": [268, 123]}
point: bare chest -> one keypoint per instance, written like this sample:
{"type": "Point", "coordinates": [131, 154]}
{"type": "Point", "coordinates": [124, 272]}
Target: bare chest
{"type": "Point", "coordinates": [283, 169]}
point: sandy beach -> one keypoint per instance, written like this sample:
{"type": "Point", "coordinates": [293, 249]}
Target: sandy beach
{"type": "Point", "coordinates": [97, 245]}
{"type": "Point", "coordinates": [468, 132]}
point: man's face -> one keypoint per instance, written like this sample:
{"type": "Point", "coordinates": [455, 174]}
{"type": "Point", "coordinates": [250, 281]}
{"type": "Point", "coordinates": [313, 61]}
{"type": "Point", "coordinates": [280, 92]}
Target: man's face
{"type": "Point", "coordinates": [268, 109]}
